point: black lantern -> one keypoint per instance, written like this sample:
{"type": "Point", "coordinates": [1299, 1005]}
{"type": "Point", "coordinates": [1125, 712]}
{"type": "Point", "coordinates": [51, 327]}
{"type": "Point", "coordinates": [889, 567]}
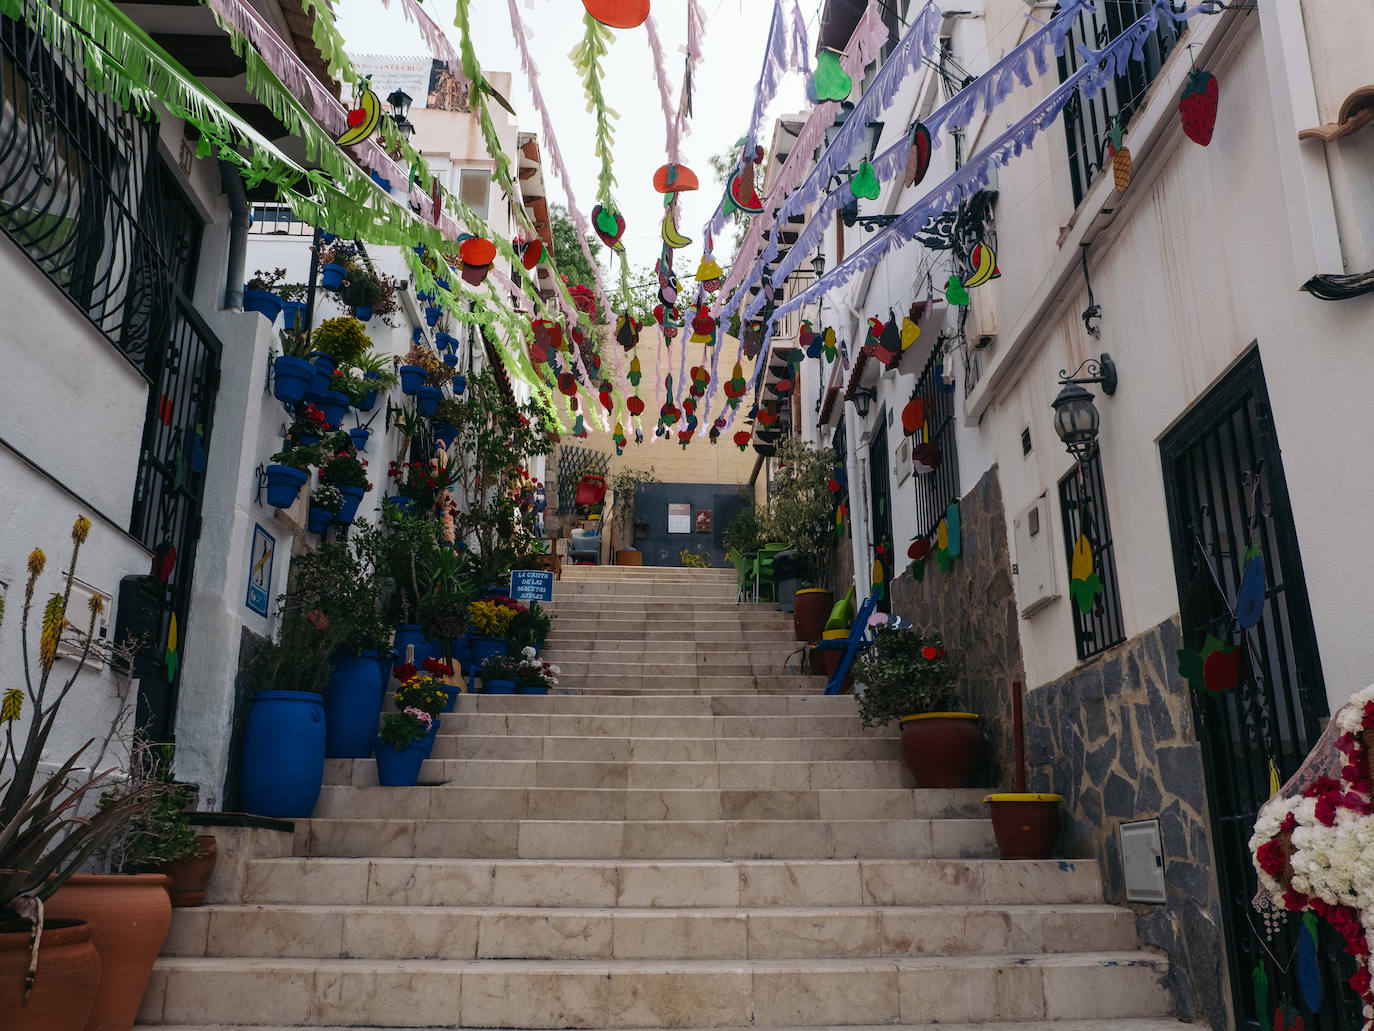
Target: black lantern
{"type": "Point", "coordinates": [863, 400]}
{"type": "Point", "coordinates": [1076, 419]}
{"type": "Point", "coordinates": [399, 100]}
{"type": "Point", "coordinates": [818, 264]}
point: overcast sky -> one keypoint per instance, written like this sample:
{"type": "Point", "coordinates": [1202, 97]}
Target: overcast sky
{"type": "Point", "coordinates": [722, 101]}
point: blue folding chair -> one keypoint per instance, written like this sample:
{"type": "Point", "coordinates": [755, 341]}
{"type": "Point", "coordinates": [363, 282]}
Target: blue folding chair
{"type": "Point", "coordinates": [858, 640]}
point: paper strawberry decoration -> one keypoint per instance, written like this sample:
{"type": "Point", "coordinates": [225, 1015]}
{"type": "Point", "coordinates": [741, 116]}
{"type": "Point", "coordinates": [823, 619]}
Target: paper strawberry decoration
{"type": "Point", "coordinates": [742, 438]}
{"type": "Point", "coordinates": [684, 437]}
{"type": "Point", "coordinates": [1198, 106]}
{"type": "Point", "coordinates": [914, 415]}
{"type": "Point", "coordinates": [703, 326]}
{"type": "Point", "coordinates": [918, 158]}
{"type": "Point", "coordinates": [805, 337]}
{"type": "Point", "coordinates": [830, 81]}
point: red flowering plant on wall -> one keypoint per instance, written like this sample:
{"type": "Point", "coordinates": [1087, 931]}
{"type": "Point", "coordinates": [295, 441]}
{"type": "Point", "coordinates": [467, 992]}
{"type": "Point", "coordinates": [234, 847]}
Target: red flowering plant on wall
{"type": "Point", "coordinates": [1314, 849]}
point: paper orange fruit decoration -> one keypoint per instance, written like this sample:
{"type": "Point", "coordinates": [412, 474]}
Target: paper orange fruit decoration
{"type": "Point", "coordinates": [675, 178]}
{"type": "Point", "coordinates": [533, 252]}
{"type": "Point", "coordinates": [476, 250]}
{"type": "Point", "coordinates": [913, 415]}
{"type": "Point", "coordinates": [635, 405]}
{"type": "Point", "coordinates": [618, 14]}
{"type": "Point", "coordinates": [567, 383]}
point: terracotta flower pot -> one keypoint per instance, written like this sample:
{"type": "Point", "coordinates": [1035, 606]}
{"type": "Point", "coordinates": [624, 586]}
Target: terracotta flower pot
{"type": "Point", "coordinates": [1025, 824]}
{"type": "Point", "coordinates": [68, 976]}
{"type": "Point", "coordinates": [830, 659]}
{"type": "Point", "coordinates": [942, 749]}
{"type": "Point", "coordinates": [629, 557]}
{"type": "Point", "coordinates": [190, 876]}
{"type": "Point", "coordinates": [810, 612]}
{"type": "Point", "coordinates": [129, 915]}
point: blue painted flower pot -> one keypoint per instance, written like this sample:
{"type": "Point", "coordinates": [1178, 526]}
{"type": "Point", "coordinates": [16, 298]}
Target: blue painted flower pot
{"type": "Point", "coordinates": [401, 503]}
{"type": "Point", "coordinates": [442, 281]}
{"type": "Point", "coordinates": [362, 312]}
{"type": "Point", "coordinates": [427, 399]}
{"type": "Point", "coordinates": [291, 378]}
{"type": "Point", "coordinates": [359, 436]}
{"type": "Point", "coordinates": [412, 378]}
{"type": "Point", "coordinates": [498, 687]}
{"type": "Point", "coordinates": [443, 341]}
{"type": "Point", "coordinates": [451, 360]}
{"type": "Point", "coordinates": [332, 276]}
{"type": "Point", "coordinates": [334, 405]}
{"type": "Point", "coordinates": [443, 431]}
{"type": "Point", "coordinates": [352, 705]}
{"type": "Point", "coordinates": [480, 649]}
{"type": "Point", "coordinates": [325, 366]}
{"type": "Point", "coordinates": [367, 402]}
{"type": "Point", "coordinates": [400, 767]}
{"type": "Point", "coordinates": [427, 742]}
{"type": "Point", "coordinates": [308, 439]}
{"type": "Point", "coordinates": [353, 497]}
{"type": "Point", "coordinates": [292, 314]}
{"type": "Point", "coordinates": [264, 302]}
{"type": "Point", "coordinates": [412, 635]}
{"type": "Point", "coordinates": [529, 689]}
{"type": "Point", "coordinates": [432, 315]}
{"type": "Point", "coordinates": [283, 754]}
{"type": "Point", "coordinates": [284, 483]}
{"type": "Point", "coordinates": [460, 384]}
{"type": "Point", "coordinates": [317, 519]}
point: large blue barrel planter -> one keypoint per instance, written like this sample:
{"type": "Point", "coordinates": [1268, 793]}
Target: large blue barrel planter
{"type": "Point", "coordinates": [460, 383]}
{"type": "Point", "coordinates": [498, 687]}
{"type": "Point", "coordinates": [283, 754]}
{"type": "Point", "coordinates": [359, 436]}
{"type": "Point", "coordinates": [353, 497]}
{"type": "Point", "coordinates": [385, 660]}
{"type": "Point", "coordinates": [400, 767]}
{"type": "Point", "coordinates": [362, 312]}
{"type": "Point", "coordinates": [443, 431]}
{"type": "Point", "coordinates": [352, 705]}
{"type": "Point", "coordinates": [291, 378]}
{"type": "Point", "coordinates": [334, 405]}
{"type": "Point", "coordinates": [264, 302]}
{"type": "Point", "coordinates": [427, 399]}
{"type": "Point", "coordinates": [401, 504]}
{"type": "Point", "coordinates": [409, 634]}
{"type": "Point", "coordinates": [412, 378]}
{"type": "Point", "coordinates": [317, 519]}
{"type": "Point", "coordinates": [284, 483]}
{"type": "Point", "coordinates": [332, 276]}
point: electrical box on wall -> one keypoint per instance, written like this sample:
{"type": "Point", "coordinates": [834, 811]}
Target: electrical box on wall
{"type": "Point", "coordinates": [79, 607]}
{"type": "Point", "coordinates": [902, 461]}
{"type": "Point", "coordinates": [1036, 583]}
{"type": "Point", "coordinates": [1142, 861]}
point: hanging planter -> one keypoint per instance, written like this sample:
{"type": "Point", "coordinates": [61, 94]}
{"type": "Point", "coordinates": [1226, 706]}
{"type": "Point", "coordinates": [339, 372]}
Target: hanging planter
{"type": "Point", "coordinates": [443, 341]}
{"type": "Point", "coordinates": [1025, 824]}
{"type": "Point", "coordinates": [412, 378]}
{"type": "Point", "coordinates": [353, 497]}
{"type": "Point", "coordinates": [359, 435]}
{"type": "Point", "coordinates": [353, 704]}
{"type": "Point", "coordinates": [284, 484]}
{"type": "Point", "coordinates": [443, 431]}
{"type": "Point", "coordinates": [451, 360]}
{"type": "Point", "coordinates": [427, 399]}
{"type": "Point", "coordinates": [362, 312]}
{"type": "Point", "coordinates": [325, 367]}
{"type": "Point", "coordinates": [432, 315]}
{"type": "Point", "coordinates": [334, 405]}
{"type": "Point", "coordinates": [318, 519]}
{"type": "Point", "coordinates": [369, 400]}
{"type": "Point", "coordinates": [283, 754]}
{"type": "Point", "coordinates": [400, 767]}
{"type": "Point", "coordinates": [332, 276]}
{"type": "Point", "coordinates": [291, 378]}
{"type": "Point", "coordinates": [460, 384]}
{"type": "Point", "coordinates": [264, 302]}
{"type": "Point", "coordinates": [292, 312]}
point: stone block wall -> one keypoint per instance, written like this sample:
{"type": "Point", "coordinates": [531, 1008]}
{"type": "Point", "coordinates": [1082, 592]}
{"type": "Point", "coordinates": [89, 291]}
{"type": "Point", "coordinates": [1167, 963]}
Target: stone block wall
{"type": "Point", "coordinates": [1115, 738]}
{"type": "Point", "coordinates": [973, 608]}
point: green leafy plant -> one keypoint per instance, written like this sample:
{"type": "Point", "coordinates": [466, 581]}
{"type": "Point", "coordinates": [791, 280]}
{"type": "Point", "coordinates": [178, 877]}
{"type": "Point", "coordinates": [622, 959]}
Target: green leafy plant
{"type": "Point", "coordinates": [623, 484]}
{"type": "Point", "coordinates": [362, 287]}
{"type": "Point", "coordinates": [345, 470]}
{"type": "Point", "coordinates": [447, 410]}
{"type": "Point", "coordinates": [802, 512]}
{"type": "Point", "coordinates": [294, 342]}
{"type": "Point", "coordinates": [437, 372]}
{"type": "Point", "coordinates": [343, 339]}
{"type": "Point", "coordinates": [531, 628]}
{"type": "Point", "coordinates": [904, 674]}
{"type": "Point", "coordinates": [339, 581]}
{"type": "Point", "coordinates": [379, 370]}
{"type": "Point", "coordinates": [400, 730]}
{"type": "Point", "coordinates": [500, 667]}
{"type": "Point", "coordinates": [299, 456]}
{"type": "Point", "coordinates": [162, 833]}
{"type": "Point", "coordinates": [408, 551]}
{"type": "Point", "coordinates": [748, 531]}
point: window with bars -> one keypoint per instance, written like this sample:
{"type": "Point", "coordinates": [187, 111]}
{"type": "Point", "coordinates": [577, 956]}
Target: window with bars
{"type": "Point", "coordinates": [938, 489]}
{"type": "Point", "coordinates": [1088, 120]}
{"type": "Point", "coordinates": [1083, 504]}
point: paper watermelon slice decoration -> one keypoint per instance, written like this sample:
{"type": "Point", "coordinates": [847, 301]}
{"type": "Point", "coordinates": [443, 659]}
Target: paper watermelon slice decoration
{"type": "Point", "coordinates": [618, 14]}
{"type": "Point", "coordinates": [609, 226]}
{"type": "Point", "coordinates": [918, 158]}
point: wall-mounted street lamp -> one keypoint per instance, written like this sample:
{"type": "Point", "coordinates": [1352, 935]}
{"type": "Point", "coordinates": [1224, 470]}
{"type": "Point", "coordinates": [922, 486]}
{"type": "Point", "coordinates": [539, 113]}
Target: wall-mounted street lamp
{"type": "Point", "coordinates": [400, 102]}
{"type": "Point", "coordinates": [863, 401]}
{"type": "Point", "coordinates": [818, 264]}
{"type": "Point", "coordinates": [1076, 418]}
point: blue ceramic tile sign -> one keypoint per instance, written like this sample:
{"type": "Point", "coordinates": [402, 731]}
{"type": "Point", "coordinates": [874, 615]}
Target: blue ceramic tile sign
{"type": "Point", "coordinates": [260, 570]}
{"type": "Point", "coordinates": [531, 585]}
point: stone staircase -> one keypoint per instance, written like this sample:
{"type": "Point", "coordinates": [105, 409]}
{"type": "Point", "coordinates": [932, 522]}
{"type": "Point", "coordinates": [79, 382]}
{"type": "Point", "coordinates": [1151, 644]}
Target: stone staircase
{"type": "Point", "coordinates": [692, 838]}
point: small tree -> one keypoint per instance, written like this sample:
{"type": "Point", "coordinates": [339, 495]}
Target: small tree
{"type": "Point", "coordinates": [802, 512]}
{"type": "Point", "coordinates": [623, 485]}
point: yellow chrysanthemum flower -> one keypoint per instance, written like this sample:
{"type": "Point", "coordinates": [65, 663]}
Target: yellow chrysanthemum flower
{"type": "Point", "coordinates": [54, 619]}
{"type": "Point", "coordinates": [81, 529]}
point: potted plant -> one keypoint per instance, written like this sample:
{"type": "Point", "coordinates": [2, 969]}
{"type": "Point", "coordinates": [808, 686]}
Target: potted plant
{"type": "Point", "coordinates": [802, 513]}
{"type": "Point", "coordinates": [260, 293]}
{"type": "Point", "coordinates": [530, 629]}
{"type": "Point", "coordinates": [533, 676]}
{"type": "Point", "coordinates": [446, 416]}
{"type": "Point", "coordinates": [342, 339]}
{"type": "Point", "coordinates": [293, 374]}
{"type": "Point", "coordinates": [50, 973]}
{"type": "Point", "coordinates": [408, 552]}
{"type": "Point", "coordinates": [282, 765]}
{"type": "Point", "coordinates": [623, 485]}
{"type": "Point", "coordinates": [325, 505]}
{"type": "Point", "coordinates": [401, 746]}
{"type": "Point", "coordinates": [416, 366]}
{"type": "Point", "coordinates": [288, 473]}
{"type": "Point", "coordinates": [499, 674]}
{"type": "Point", "coordinates": [425, 688]}
{"type": "Point", "coordinates": [348, 474]}
{"type": "Point", "coordinates": [488, 623]}
{"type": "Point", "coordinates": [336, 262]}
{"type": "Point", "coordinates": [378, 375]}
{"type": "Point", "coordinates": [361, 290]}
{"type": "Point", "coordinates": [908, 677]}
{"type": "Point", "coordinates": [308, 428]}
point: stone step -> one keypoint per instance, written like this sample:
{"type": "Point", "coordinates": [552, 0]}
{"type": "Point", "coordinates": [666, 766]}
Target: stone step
{"type": "Point", "coordinates": [655, 994]}
{"type": "Point", "coordinates": [669, 665]}
{"type": "Point", "coordinates": [664, 749]}
{"type": "Point", "coordinates": [664, 705]}
{"type": "Point", "coordinates": [564, 803]}
{"type": "Point", "coordinates": [646, 839]}
{"type": "Point", "coordinates": [721, 593]}
{"type": "Point", "coordinates": [602, 725]}
{"type": "Point", "coordinates": [710, 883]}
{"type": "Point", "coordinates": [1114, 1024]}
{"type": "Point", "coordinates": [661, 632]}
{"type": "Point", "coordinates": [575, 610]}
{"type": "Point", "coordinates": [718, 683]}
{"type": "Point", "coordinates": [729, 776]}
{"type": "Point", "coordinates": [490, 932]}
{"type": "Point", "coordinates": [596, 650]}
{"type": "Point", "coordinates": [600, 686]}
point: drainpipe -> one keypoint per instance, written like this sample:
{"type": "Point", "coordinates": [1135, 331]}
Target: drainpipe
{"type": "Point", "coordinates": [238, 235]}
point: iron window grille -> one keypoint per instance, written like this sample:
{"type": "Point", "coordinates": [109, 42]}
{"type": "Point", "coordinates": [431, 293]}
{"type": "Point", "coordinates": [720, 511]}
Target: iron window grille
{"type": "Point", "coordinates": [1088, 120]}
{"type": "Point", "coordinates": [1083, 504]}
{"type": "Point", "coordinates": [937, 490]}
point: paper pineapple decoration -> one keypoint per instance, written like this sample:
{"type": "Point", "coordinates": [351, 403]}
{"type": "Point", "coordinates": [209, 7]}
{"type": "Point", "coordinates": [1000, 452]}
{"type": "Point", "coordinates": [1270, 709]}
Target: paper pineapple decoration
{"type": "Point", "coordinates": [1120, 155]}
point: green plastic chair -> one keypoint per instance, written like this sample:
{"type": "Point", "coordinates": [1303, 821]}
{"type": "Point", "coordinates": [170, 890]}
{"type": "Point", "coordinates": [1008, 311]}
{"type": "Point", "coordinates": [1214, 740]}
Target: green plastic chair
{"type": "Point", "coordinates": [763, 571]}
{"type": "Point", "coordinates": [743, 571]}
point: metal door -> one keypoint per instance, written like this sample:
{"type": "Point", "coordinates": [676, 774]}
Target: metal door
{"type": "Point", "coordinates": [1223, 477]}
{"type": "Point", "coordinates": [880, 507]}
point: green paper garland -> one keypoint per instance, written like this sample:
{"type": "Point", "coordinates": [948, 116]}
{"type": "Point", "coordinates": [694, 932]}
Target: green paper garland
{"type": "Point", "coordinates": [586, 58]}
